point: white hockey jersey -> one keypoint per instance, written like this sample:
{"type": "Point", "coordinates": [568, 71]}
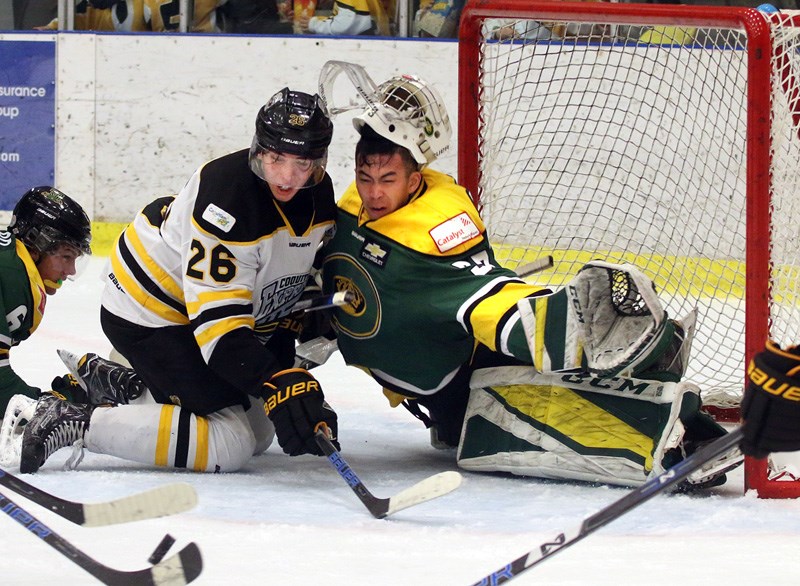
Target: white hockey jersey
{"type": "Point", "coordinates": [223, 256]}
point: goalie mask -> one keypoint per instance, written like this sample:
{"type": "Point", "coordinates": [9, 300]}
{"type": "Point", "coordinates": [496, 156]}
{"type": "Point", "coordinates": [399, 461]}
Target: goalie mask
{"type": "Point", "coordinates": [45, 217]}
{"type": "Point", "coordinates": [290, 145]}
{"type": "Point", "coordinates": [410, 113]}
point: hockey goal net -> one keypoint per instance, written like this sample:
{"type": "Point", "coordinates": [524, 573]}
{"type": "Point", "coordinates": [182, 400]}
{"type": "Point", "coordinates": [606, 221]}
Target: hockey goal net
{"type": "Point", "coordinates": [663, 136]}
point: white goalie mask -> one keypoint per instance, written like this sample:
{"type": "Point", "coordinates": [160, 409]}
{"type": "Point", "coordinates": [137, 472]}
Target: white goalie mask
{"type": "Point", "coordinates": [412, 114]}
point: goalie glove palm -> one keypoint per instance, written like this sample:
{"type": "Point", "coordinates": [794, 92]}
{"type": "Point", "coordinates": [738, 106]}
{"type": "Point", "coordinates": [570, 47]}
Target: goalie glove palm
{"type": "Point", "coordinates": [771, 404]}
{"type": "Point", "coordinates": [294, 402]}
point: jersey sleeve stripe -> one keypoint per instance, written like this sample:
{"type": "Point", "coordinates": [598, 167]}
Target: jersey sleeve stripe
{"type": "Point", "coordinates": [226, 296]}
{"type": "Point", "coordinates": [214, 332]}
{"type": "Point", "coordinates": [212, 314]}
{"type": "Point", "coordinates": [160, 275]}
{"type": "Point", "coordinates": [145, 299]}
{"type": "Point", "coordinates": [146, 282]}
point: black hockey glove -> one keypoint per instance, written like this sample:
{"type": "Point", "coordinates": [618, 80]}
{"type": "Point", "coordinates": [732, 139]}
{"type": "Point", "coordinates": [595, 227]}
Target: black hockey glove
{"type": "Point", "coordinates": [68, 386]}
{"type": "Point", "coordinates": [294, 402]}
{"type": "Point", "coordinates": [771, 404]}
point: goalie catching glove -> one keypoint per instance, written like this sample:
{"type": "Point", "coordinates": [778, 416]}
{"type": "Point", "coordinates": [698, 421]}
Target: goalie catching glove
{"type": "Point", "coordinates": [294, 402]}
{"type": "Point", "coordinates": [771, 404]}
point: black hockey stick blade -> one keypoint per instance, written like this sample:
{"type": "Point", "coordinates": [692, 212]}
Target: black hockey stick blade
{"type": "Point", "coordinates": [181, 568]}
{"type": "Point", "coordinates": [425, 490]}
{"type": "Point", "coordinates": [617, 509]}
{"type": "Point", "coordinates": [157, 502]}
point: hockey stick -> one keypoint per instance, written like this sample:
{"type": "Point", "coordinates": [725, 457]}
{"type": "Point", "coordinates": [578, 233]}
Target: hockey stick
{"type": "Point", "coordinates": [537, 266]}
{"type": "Point", "coordinates": [425, 490]}
{"type": "Point", "coordinates": [314, 352]}
{"type": "Point", "coordinates": [180, 568]}
{"type": "Point", "coordinates": [323, 301]}
{"type": "Point", "coordinates": [615, 510]}
{"type": "Point", "coordinates": [157, 502]}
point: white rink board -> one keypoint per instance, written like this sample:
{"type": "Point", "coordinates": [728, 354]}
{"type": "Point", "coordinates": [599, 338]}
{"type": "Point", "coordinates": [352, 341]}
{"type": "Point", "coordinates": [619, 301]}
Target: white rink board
{"type": "Point", "coordinates": [137, 114]}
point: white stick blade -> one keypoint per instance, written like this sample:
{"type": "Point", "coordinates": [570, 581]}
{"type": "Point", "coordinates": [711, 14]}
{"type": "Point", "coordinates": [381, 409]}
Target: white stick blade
{"type": "Point", "coordinates": [158, 502]}
{"type": "Point", "coordinates": [428, 489]}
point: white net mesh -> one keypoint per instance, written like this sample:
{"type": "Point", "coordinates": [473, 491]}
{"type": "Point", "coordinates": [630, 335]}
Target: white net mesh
{"type": "Point", "coordinates": [627, 143]}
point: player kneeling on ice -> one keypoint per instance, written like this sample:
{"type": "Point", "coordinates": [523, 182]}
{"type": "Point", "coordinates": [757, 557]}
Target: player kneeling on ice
{"type": "Point", "coordinates": [583, 383]}
{"type": "Point", "coordinates": [197, 297]}
{"type": "Point", "coordinates": [48, 237]}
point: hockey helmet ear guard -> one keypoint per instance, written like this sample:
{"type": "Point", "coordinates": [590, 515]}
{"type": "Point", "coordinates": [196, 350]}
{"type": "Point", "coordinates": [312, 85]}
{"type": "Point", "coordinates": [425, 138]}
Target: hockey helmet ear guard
{"type": "Point", "coordinates": [412, 114]}
{"type": "Point", "coordinates": [290, 145]}
{"type": "Point", "coordinates": [45, 218]}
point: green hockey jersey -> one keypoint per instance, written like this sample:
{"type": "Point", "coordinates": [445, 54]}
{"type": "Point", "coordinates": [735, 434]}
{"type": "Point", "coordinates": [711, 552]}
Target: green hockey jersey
{"type": "Point", "coordinates": [427, 289]}
{"type": "Point", "coordinates": [23, 299]}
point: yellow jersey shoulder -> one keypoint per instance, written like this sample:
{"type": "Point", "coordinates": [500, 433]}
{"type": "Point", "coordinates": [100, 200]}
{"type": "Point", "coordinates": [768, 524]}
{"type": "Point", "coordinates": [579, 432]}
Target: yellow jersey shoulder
{"type": "Point", "coordinates": [440, 219]}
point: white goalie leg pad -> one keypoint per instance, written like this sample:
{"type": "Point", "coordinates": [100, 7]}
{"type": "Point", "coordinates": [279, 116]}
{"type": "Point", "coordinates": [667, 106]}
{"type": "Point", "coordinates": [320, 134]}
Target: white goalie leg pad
{"type": "Point", "coordinates": [18, 412]}
{"type": "Point", "coordinates": [570, 426]}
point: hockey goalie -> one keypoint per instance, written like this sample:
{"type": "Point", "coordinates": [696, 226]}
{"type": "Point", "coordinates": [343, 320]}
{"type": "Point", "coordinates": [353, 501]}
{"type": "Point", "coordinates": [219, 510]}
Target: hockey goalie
{"type": "Point", "coordinates": [583, 383]}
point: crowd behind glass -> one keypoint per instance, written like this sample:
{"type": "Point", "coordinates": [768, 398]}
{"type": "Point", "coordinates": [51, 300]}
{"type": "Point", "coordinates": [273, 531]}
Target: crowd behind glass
{"type": "Point", "coordinates": [386, 18]}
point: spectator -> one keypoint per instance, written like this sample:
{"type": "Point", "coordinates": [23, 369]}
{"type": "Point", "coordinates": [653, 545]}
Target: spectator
{"type": "Point", "coordinates": [348, 17]}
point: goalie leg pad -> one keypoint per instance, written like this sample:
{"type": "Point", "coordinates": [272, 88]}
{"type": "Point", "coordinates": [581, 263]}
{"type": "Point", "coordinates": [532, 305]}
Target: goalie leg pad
{"type": "Point", "coordinates": [570, 426]}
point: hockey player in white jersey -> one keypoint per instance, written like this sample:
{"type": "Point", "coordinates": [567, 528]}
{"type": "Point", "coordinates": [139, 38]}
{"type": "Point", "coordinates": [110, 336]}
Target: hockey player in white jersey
{"type": "Point", "coordinates": [197, 297]}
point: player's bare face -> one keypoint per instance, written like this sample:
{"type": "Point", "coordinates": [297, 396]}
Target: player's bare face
{"type": "Point", "coordinates": [285, 173]}
{"type": "Point", "coordinates": [57, 265]}
{"type": "Point", "coordinates": [385, 184]}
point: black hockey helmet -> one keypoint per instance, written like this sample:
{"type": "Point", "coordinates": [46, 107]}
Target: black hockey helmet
{"type": "Point", "coordinates": [294, 123]}
{"type": "Point", "coordinates": [45, 217]}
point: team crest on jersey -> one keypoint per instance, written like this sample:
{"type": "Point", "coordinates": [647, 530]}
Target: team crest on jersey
{"type": "Point", "coordinates": [361, 318]}
{"type": "Point", "coordinates": [372, 252]}
{"type": "Point", "coordinates": [454, 232]}
{"type": "Point", "coordinates": [357, 306]}
{"type": "Point", "coordinates": [218, 217]}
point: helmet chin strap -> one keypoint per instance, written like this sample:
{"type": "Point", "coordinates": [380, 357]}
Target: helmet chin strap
{"type": "Point", "coordinates": [53, 284]}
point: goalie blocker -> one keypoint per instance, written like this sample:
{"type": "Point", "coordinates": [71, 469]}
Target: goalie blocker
{"type": "Point", "coordinates": [603, 401]}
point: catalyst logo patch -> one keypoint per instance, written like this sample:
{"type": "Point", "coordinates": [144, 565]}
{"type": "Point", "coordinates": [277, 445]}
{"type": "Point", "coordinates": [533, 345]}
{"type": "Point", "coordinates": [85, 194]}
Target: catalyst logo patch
{"type": "Point", "coordinates": [454, 231]}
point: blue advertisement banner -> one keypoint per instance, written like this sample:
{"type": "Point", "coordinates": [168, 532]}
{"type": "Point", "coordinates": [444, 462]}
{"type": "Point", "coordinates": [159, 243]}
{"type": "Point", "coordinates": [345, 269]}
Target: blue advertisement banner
{"type": "Point", "coordinates": [27, 117]}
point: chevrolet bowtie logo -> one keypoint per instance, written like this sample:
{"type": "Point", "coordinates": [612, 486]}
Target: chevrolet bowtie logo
{"type": "Point", "coordinates": [375, 250]}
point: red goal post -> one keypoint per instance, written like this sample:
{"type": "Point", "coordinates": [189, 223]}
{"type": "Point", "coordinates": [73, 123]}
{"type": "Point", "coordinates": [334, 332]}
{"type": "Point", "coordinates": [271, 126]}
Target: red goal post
{"type": "Point", "coordinates": [666, 136]}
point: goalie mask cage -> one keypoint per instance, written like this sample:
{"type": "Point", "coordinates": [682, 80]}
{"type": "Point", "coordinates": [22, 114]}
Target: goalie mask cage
{"type": "Point", "coordinates": [660, 135]}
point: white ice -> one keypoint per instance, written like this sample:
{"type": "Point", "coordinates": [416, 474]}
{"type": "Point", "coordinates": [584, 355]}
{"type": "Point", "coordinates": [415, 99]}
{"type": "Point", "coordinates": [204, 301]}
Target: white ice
{"type": "Point", "coordinates": [293, 521]}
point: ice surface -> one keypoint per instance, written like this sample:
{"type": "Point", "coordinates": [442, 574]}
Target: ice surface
{"type": "Point", "coordinates": [293, 521]}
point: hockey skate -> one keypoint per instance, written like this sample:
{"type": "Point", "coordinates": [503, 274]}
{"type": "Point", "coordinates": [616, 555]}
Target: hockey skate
{"type": "Point", "coordinates": [55, 424]}
{"type": "Point", "coordinates": [105, 382]}
{"type": "Point", "coordinates": [18, 412]}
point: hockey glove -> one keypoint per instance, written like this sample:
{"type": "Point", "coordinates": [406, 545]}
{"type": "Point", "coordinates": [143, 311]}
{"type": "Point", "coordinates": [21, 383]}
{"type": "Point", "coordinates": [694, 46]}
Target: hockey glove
{"type": "Point", "coordinates": [294, 402]}
{"type": "Point", "coordinates": [68, 386]}
{"type": "Point", "coordinates": [771, 404]}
